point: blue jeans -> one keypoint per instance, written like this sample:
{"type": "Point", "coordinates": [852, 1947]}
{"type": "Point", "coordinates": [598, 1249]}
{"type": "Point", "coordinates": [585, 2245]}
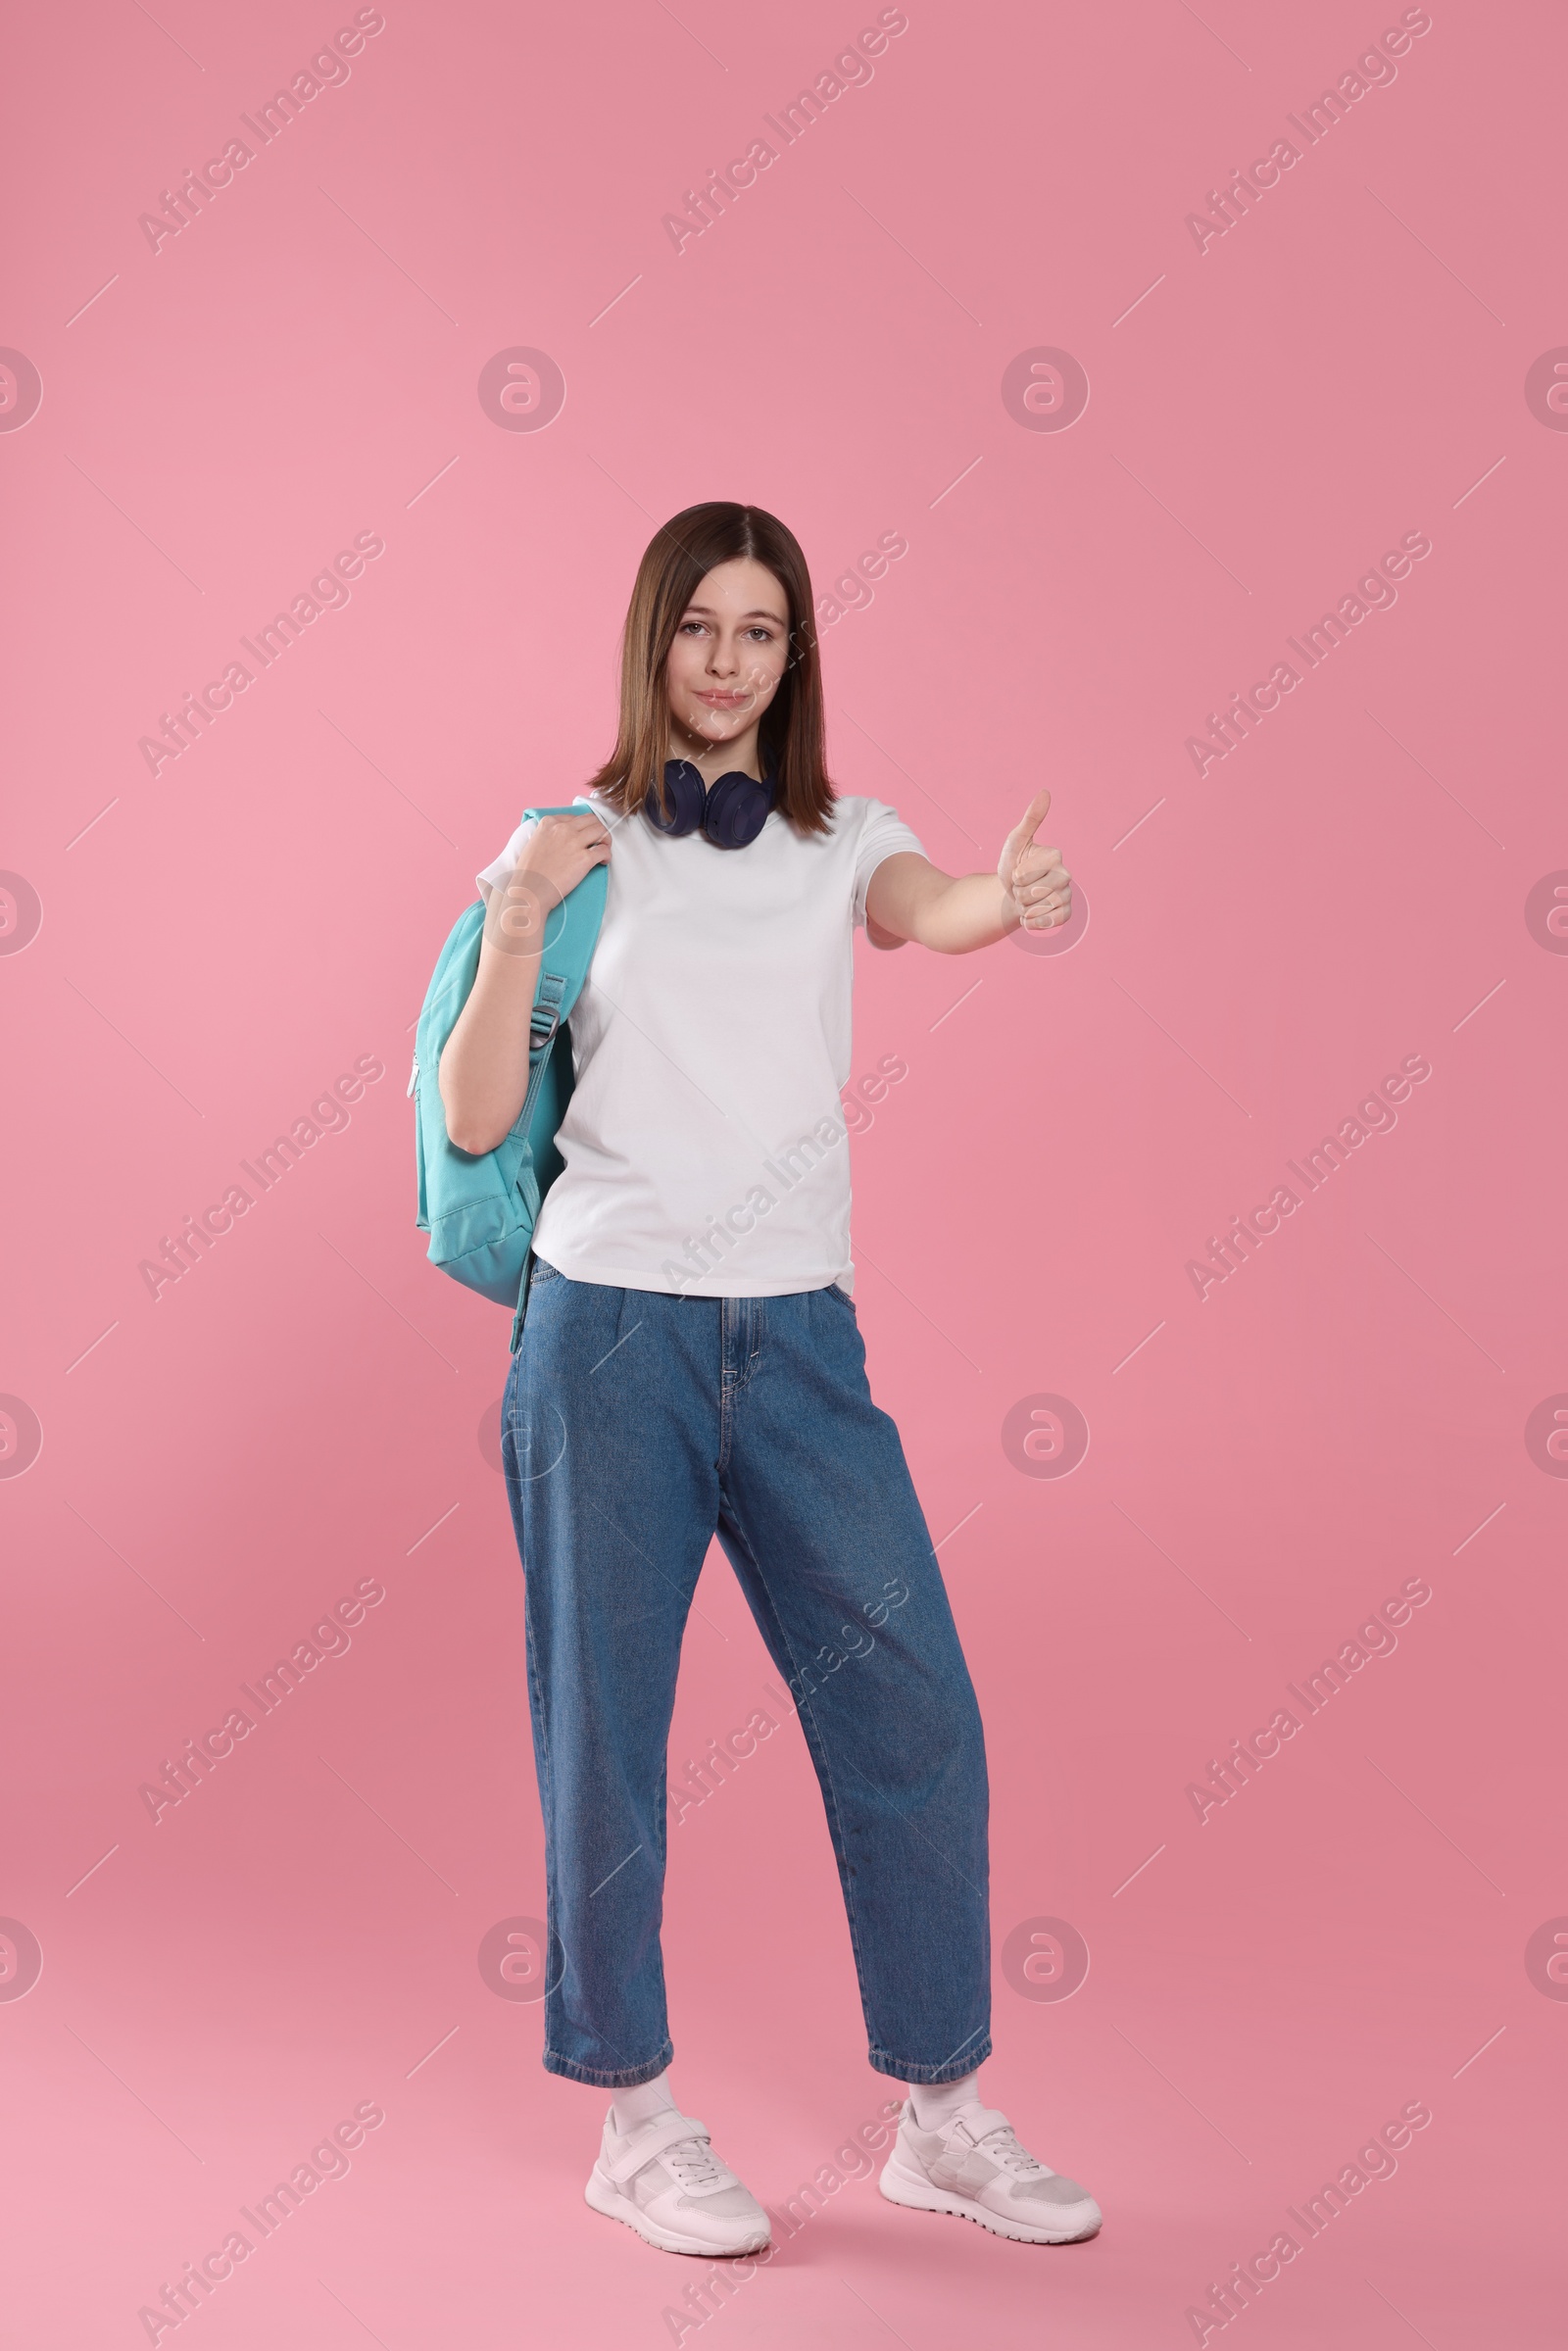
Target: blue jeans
{"type": "Point", "coordinates": [636, 1426]}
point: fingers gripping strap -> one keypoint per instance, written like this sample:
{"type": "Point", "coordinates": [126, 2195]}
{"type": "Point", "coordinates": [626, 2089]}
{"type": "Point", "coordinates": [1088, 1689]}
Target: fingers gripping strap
{"type": "Point", "coordinates": [668, 2132]}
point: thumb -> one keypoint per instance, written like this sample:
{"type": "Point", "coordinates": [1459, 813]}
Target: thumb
{"type": "Point", "coordinates": [1022, 833]}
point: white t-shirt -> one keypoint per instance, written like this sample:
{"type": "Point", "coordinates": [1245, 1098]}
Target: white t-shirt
{"type": "Point", "coordinates": [705, 1150]}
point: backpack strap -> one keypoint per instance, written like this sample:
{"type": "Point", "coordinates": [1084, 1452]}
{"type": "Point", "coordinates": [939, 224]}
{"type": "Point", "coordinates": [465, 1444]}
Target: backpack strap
{"type": "Point", "coordinates": [544, 1026]}
{"type": "Point", "coordinates": [544, 1022]}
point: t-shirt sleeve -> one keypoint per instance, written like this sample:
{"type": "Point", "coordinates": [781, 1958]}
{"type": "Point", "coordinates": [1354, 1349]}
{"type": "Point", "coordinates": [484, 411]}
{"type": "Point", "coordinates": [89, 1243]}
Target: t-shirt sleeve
{"type": "Point", "coordinates": [883, 834]}
{"type": "Point", "coordinates": [496, 872]}
{"type": "Point", "coordinates": [490, 876]}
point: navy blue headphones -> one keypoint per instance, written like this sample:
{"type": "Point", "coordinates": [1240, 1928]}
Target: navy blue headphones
{"type": "Point", "coordinates": [730, 812]}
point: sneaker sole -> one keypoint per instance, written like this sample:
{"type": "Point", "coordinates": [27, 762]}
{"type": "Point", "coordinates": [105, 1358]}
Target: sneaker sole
{"type": "Point", "coordinates": [902, 2188]}
{"type": "Point", "coordinates": [605, 2197]}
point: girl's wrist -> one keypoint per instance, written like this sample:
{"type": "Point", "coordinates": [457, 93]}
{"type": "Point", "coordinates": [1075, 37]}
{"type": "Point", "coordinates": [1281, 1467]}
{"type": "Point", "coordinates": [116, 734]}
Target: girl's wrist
{"type": "Point", "coordinates": [982, 913]}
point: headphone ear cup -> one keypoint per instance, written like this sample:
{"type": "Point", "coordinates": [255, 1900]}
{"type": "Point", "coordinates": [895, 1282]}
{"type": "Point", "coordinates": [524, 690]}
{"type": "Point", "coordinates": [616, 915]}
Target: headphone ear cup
{"type": "Point", "coordinates": [738, 807]}
{"type": "Point", "coordinates": [687, 797]}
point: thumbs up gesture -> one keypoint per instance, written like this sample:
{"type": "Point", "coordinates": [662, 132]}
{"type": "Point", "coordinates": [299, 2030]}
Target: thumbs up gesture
{"type": "Point", "coordinates": [1036, 881]}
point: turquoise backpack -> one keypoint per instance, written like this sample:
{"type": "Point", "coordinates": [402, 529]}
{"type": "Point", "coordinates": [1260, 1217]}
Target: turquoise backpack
{"type": "Point", "coordinates": [480, 1209]}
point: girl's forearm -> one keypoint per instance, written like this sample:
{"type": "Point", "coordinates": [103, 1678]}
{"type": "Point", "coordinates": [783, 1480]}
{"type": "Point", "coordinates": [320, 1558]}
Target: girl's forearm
{"type": "Point", "coordinates": [963, 912]}
{"type": "Point", "coordinates": [910, 897]}
{"type": "Point", "coordinates": [484, 1068]}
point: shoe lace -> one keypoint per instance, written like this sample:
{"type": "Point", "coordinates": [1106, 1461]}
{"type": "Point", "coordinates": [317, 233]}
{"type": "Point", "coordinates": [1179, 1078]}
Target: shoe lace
{"type": "Point", "coordinates": [694, 2163]}
{"type": "Point", "coordinates": [1003, 2145]}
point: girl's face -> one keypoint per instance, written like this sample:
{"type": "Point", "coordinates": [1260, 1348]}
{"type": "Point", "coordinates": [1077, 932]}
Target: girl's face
{"type": "Point", "coordinates": [730, 651]}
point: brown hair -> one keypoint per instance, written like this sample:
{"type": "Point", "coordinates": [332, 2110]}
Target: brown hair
{"type": "Point", "coordinates": [791, 737]}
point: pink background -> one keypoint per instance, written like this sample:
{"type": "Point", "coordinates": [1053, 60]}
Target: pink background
{"type": "Point", "coordinates": [303, 1409]}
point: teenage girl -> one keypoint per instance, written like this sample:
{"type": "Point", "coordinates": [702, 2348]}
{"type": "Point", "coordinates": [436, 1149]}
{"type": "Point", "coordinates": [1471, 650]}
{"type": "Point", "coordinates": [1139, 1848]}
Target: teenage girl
{"type": "Point", "coordinates": [690, 1365]}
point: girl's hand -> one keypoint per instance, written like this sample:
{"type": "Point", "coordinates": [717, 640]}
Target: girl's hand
{"type": "Point", "coordinates": [557, 856]}
{"type": "Point", "coordinates": [1036, 881]}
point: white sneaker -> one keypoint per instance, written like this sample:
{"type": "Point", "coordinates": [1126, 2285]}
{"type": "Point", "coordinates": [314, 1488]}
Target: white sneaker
{"type": "Point", "coordinates": [975, 2167]}
{"type": "Point", "coordinates": [665, 2181]}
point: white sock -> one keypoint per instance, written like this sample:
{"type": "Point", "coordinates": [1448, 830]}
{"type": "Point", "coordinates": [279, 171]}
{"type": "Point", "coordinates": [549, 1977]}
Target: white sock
{"type": "Point", "coordinates": [639, 2104]}
{"type": "Point", "coordinates": [936, 2103]}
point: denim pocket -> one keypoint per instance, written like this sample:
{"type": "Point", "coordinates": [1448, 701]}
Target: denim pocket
{"type": "Point", "coordinates": [843, 1295]}
{"type": "Point", "coordinates": [544, 1271]}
